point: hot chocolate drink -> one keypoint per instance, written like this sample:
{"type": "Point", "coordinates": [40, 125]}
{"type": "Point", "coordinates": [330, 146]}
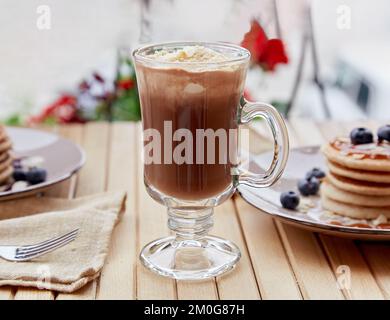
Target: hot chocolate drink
{"type": "Point", "coordinates": [192, 106]}
{"type": "Point", "coordinates": [196, 93]}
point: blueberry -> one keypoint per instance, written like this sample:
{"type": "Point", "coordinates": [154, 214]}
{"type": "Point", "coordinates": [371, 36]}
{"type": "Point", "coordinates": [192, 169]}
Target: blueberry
{"type": "Point", "coordinates": [17, 164]}
{"type": "Point", "coordinates": [36, 175]}
{"type": "Point", "coordinates": [289, 200]}
{"type": "Point", "coordinates": [361, 136]}
{"type": "Point", "coordinates": [384, 133]}
{"type": "Point", "coordinates": [19, 174]}
{"type": "Point", "coordinates": [308, 187]}
{"type": "Point", "coordinates": [316, 173]}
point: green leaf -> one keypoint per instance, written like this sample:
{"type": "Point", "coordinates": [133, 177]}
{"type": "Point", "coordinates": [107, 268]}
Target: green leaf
{"type": "Point", "coordinates": [50, 121]}
{"type": "Point", "coordinates": [281, 106]}
{"type": "Point", "coordinates": [13, 120]}
{"type": "Point", "coordinates": [126, 108]}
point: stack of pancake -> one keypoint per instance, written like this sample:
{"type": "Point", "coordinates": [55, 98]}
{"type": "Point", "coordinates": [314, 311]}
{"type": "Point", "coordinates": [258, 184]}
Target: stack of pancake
{"type": "Point", "coordinates": [358, 182]}
{"type": "Point", "coordinates": [6, 168]}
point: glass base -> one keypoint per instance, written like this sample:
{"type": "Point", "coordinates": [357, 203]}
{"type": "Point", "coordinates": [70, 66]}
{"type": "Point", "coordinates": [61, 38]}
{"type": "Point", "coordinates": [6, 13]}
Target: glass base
{"type": "Point", "coordinates": [190, 259]}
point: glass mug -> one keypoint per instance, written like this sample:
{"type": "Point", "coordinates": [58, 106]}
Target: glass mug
{"type": "Point", "coordinates": [191, 112]}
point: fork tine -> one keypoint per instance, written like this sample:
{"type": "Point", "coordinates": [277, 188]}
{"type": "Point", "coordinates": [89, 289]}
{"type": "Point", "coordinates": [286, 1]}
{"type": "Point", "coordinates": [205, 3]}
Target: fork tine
{"type": "Point", "coordinates": [41, 253]}
{"type": "Point", "coordinates": [45, 247]}
{"type": "Point", "coordinates": [23, 250]}
{"type": "Point", "coordinates": [48, 241]}
{"type": "Point", "coordinates": [35, 254]}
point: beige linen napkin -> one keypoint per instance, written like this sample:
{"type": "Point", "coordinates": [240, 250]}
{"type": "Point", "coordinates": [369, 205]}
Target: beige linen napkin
{"type": "Point", "coordinates": [37, 219]}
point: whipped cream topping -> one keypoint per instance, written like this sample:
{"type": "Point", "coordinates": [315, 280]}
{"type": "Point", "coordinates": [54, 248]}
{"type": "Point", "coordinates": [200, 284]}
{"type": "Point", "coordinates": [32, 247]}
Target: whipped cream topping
{"type": "Point", "coordinates": [189, 54]}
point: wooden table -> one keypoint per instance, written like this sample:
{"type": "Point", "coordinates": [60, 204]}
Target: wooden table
{"type": "Point", "coordinates": [278, 261]}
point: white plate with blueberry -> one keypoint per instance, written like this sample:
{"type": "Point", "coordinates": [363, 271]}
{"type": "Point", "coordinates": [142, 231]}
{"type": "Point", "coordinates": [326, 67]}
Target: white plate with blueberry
{"type": "Point", "coordinates": [294, 198]}
{"type": "Point", "coordinates": [41, 159]}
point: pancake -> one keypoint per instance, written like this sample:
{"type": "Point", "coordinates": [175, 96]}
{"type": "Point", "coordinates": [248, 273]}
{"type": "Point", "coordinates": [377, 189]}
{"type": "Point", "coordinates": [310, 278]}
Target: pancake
{"type": "Point", "coordinates": [334, 193]}
{"type": "Point", "coordinates": [4, 156]}
{"type": "Point", "coordinates": [5, 175]}
{"type": "Point", "coordinates": [363, 175]}
{"type": "Point", "coordinates": [353, 211]}
{"type": "Point", "coordinates": [5, 145]}
{"type": "Point", "coordinates": [5, 164]}
{"type": "Point", "coordinates": [357, 186]}
{"type": "Point", "coordinates": [6, 168]}
{"type": "Point", "coordinates": [360, 161]}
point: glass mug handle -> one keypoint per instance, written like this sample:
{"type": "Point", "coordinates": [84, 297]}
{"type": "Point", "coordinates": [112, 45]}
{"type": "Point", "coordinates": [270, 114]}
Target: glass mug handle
{"type": "Point", "coordinates": [249, 111]}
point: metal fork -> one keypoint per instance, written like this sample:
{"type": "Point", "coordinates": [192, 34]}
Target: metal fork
{"type": "Point", "coordinates": [28, 252]}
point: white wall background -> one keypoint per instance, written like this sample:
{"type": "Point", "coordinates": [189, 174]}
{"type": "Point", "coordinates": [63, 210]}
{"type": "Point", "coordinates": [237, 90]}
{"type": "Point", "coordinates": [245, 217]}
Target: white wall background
{"type": "Point", "coordinates": [35, 65]}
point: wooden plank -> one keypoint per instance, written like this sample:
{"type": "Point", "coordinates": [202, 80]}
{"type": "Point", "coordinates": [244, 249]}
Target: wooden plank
{"type": "Point", "coordinates": [197, 290]}
{"type": "Point", "coordinates": [33, 294]}
{"type": "Point", "coordinates": [306, 132]}
{"type": "Point", "coordinates": [228, 226]}
{"type": "Point", "coordinates": [310, 265]}
{"type": "Point", "coordinates": [315, 277]}
{"type": "Point", "coordinates": [6, 293]}
{"type": "Point", "coordinates": [93, 176]}
{"type": "Point", "coordinates": [117, 280]}
{"type": "Point", "coordinates": [261, 137]}
{"type": "Point", "coordinates": [377, 256]}
{"type": "Point", "coordinates": [342, 253]}
{"type": "Point", "coordinates": [292, 135]}
{"type": "Point", "coordinates": [67, 189]}
{"type": "Point", "coordinates": [346, 260]}
{"type": "Point", "coordinates": [152, 224]}
{"type": "Point", "coordinates": [304, 254]}
{"type": "Point", "coordinates": [92, 179]}
{"type": "Point", "coordinates": [271, 266]}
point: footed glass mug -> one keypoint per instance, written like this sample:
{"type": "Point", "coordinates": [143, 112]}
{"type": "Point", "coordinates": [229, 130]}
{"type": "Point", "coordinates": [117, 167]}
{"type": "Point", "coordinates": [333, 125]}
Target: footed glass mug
{"type": "Point", "coordinates": [192, 106]}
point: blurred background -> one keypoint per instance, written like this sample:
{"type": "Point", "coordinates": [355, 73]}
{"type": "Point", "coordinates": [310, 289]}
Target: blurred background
{"type": "Point", "coordinates": [66, 61]}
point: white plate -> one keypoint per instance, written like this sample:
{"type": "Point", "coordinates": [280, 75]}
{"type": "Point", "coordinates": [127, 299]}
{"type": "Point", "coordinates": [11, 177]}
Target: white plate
{"type": "Point", "coordinates": [61, 157]}
{"type": "Point", "coordinates": [315, 219]}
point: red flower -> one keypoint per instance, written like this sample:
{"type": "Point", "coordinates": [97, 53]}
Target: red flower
{"type": "Point", "coordinates": [255, 40]}
{"type": "Point", "coordinates": [65, 113]}
{"type": "Point", "coordinates": [273, 54]}
{"type": "Point", "coordinates": [268, 53]}
{"type": "Point", "coordinates": [63, 110]}
{"type": "Point", "coordinates": [126, 84]}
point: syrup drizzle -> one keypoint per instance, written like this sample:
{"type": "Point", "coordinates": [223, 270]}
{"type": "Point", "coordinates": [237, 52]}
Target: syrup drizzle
{"type": "Point", "coordinates": [376, 151]}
